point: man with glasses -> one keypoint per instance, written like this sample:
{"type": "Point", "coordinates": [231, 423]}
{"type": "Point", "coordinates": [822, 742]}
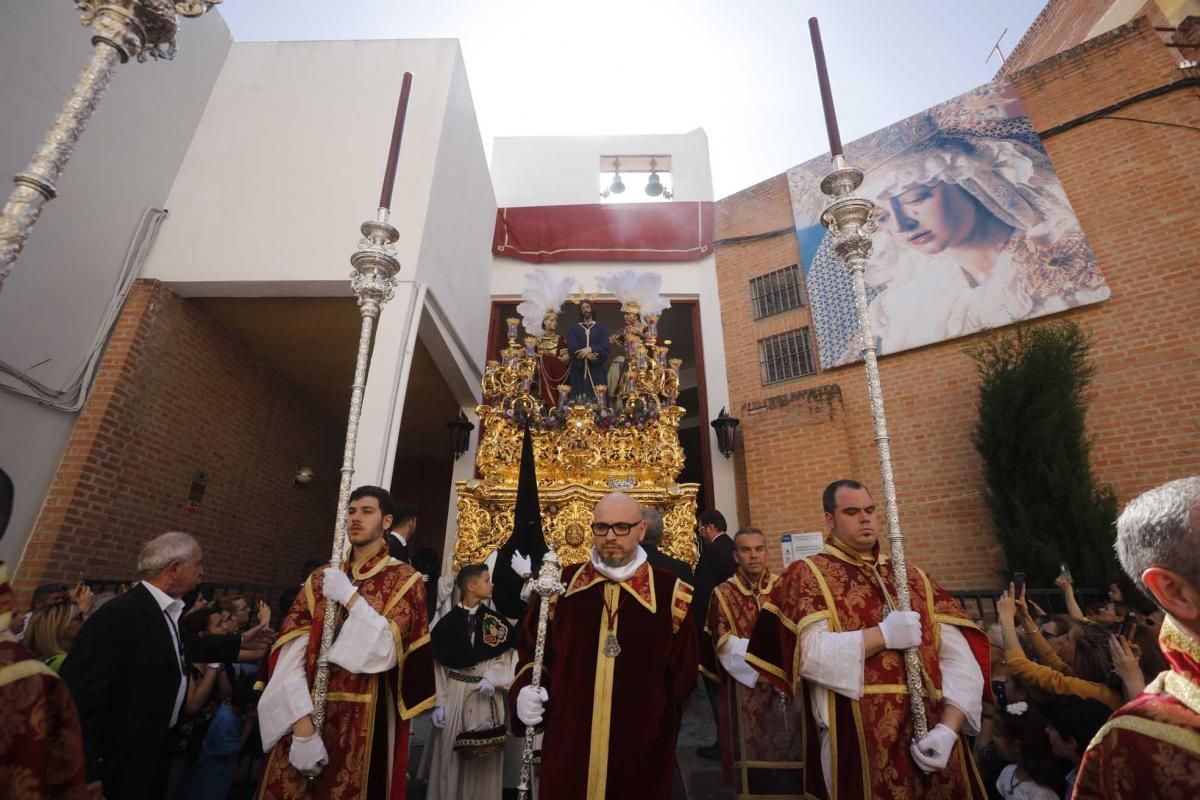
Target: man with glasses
{"type": "Point", "coordinates": [620, 663]}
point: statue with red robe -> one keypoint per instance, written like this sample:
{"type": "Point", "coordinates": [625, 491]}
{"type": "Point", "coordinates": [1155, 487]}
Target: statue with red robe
{"type": "Point", "coordinates": [41, 742]}
{"type": "Point", "coordinates": [831, 632]}
{"type": "Point", "coordinates": [552, 360]}
{"type": "Point", "coordinates": [380, 677]}
{"type": "Point", "coordinates": [761, 728]}
{"type": "Point", "coordinates": [620, 664]}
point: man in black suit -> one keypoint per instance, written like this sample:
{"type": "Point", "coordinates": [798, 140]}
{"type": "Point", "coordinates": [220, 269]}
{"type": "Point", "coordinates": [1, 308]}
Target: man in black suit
{"type": "Point", "coordinates": [128, 671]}
{"type": "Point", "coordinates": [657, 558]}
{"type": "Point", "coordinates": [716, 565]}
{"type": "Point", "coordinates": [404, 525]}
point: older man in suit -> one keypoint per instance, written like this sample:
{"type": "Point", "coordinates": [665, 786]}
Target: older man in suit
{"type": "Point", "coordinates": [128, 671]}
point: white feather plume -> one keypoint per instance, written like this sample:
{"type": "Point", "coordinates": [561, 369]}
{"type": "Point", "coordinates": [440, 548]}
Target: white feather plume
{"type": "Point", "coordinates": [642, 287]}
{"type": "Point", "coordinates": [543, 292]}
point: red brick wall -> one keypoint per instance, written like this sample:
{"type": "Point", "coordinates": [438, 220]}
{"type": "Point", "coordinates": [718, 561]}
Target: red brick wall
{"type": "Point", "coordinates": [1133, 188]}
{"type": "Point", "coordinates": [176, 394]}
{"type": "Point", "coordinates": [1062, 25]}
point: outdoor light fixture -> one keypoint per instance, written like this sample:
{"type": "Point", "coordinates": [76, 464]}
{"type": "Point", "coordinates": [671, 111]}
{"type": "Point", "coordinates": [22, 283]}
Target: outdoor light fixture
{"type": "Point", "coordinates": [303, 476]}
{"type": "Point", "coordinates": [617, 186]}
{"type": "Point", "coordinates": [726, 428]}
{"type": "Point", "coordinates": [654, 187]}
{"type": "Point", "coordinates": [460, 434]}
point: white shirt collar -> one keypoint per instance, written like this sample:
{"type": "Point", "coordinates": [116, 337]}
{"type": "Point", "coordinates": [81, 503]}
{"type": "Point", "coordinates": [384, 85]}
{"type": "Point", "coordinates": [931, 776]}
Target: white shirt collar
{"type": "Point", "coordinates": [618, 574]}
{"type": "Point", "coordinates": [169, 605]}
{"type": "Point", "coordinates": [469, 609]}
{"type": "Point", "coordinates": [401, 538]}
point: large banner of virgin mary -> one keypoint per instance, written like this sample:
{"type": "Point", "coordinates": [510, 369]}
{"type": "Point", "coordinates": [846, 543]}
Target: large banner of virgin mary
{"type": "Point", "coordinates": [975, 230]}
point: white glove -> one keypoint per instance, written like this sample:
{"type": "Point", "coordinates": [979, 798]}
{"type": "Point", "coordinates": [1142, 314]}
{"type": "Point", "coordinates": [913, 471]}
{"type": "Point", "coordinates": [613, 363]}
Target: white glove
{"type": "Point", "coordinates": [933, 752]}
{"type": "Point", "coordinates": [901, 630]}
{"type": "Point", "coordinates": [486, 687]}
{"type": "Point", "coordinates": [308, 754]}
{"type": "Point", "coordinates": [438, 717]}
{"type": "Point", "coordinates": [336, 585]}
{"type": "Point", "coordinates": [522, 565]}
{"type": "Point", "coordinates": [531, 704]}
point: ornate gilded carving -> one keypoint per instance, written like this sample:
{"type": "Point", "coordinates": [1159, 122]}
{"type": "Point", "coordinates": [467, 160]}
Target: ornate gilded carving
{"type": "Point", "coordinates": [582, 453]}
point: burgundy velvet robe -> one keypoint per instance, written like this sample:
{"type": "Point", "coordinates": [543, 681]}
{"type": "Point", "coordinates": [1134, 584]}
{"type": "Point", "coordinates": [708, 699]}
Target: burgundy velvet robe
{"type": "Point", "coordinates": [611, 723]}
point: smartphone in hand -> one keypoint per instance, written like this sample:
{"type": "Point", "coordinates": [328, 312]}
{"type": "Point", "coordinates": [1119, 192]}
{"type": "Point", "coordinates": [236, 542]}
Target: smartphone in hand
{"type": "Point", "coordinates": [1128, 626]}
{"type": "Point", "coordinates": [1064, 569]}
{"type": "Point", "coordinates": [1018, 583]}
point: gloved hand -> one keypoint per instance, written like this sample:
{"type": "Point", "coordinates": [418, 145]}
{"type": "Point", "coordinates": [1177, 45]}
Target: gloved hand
{"type": "Point", "coordinates": [522, 565]}
{"type": "Point", "coordinates": [531, 704]}
{"type": "Point", "coordinates": [933, 752]}
{"type": "Point", "coordinates": [486, 687]}
{"type": "Point", "coordinates": [308, 754]}
{"type": "Point", "coordinates": [438, 717]}
{"type": "Point", "coordinates": [901, 630]}
{"type": "Point", "coordinates": [336, 585]}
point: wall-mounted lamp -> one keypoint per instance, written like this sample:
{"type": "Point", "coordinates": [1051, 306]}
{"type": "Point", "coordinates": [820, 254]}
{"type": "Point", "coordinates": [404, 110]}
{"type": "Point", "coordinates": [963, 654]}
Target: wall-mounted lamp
{"type": "Point", "coordinates": [303, 476]}
{"type": "Point", "coordinates": [726, 428]}
{"type": "Point", "coordinates": [460, 434]}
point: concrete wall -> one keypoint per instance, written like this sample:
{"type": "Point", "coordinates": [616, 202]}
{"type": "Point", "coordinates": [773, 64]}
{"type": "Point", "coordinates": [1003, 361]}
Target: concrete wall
{"type": "Point", "coordinates": [125, 162]}
{"type": "Point", "coordinates": [562, 170]}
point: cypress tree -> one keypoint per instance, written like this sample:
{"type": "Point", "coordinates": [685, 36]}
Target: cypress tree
{"type": "Point", "coordinates": [1032, 435]}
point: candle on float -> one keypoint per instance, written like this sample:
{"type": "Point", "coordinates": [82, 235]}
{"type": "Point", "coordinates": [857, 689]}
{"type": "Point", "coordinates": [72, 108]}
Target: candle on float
{"type": "Point", "coordinates": [389, 175]}
{"type": "Point", "coordinates": [831, 125]}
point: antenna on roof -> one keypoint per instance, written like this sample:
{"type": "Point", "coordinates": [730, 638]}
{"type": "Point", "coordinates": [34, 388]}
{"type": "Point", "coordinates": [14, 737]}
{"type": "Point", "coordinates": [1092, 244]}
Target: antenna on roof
{"type": "Point", "coordinates": [996, 49]}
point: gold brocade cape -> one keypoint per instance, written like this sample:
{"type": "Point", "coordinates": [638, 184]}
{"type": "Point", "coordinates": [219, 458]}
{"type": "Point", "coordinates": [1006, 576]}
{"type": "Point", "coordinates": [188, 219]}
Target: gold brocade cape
{"type": "Point", "coordinates": [870, 737]}
{"type": "Point", "coordinates": [762, 729]}
{"type": "Point", "coordinates": [358, 706]}
{"type": "Point", "coordinates": [612, 719]}
{"type": "Point", "coordinates": [1150, 748]}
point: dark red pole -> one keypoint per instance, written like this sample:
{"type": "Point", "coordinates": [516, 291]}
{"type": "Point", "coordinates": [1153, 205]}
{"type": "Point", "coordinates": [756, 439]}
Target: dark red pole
{"type": "Point", "coordinates": [831, 126]}
{"type": "Point", "coordinates": [389, 176]}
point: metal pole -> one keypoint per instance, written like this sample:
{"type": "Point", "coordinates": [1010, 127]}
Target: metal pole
{"type": "Point", "coordinates": [121, 30]}
{"type": "Point", "coordinates": [851, 221]}
{"type": "Point", "coordinates": [374, 283]}
{"type": "Point", "coordinates": [547, 585]}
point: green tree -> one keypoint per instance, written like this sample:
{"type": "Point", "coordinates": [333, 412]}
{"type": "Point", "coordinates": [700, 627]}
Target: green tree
{"type": "Point", "coordinates": [1045, 503]}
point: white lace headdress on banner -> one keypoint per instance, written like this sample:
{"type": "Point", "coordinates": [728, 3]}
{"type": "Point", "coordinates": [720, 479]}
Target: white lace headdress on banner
{"type": "Point", "coordinates": [543, 293]}
{"type": "Point", "coordinates": [638, 290]}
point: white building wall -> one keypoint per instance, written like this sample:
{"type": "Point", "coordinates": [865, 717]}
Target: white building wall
{"type": "Point", "coordinates": [549, 170]}
{"type": "Point", "coordinates": [53, 301]}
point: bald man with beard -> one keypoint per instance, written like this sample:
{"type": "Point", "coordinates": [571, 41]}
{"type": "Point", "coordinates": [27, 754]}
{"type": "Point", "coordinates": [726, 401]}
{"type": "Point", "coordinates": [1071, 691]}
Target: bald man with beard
{"type": "Point", "coordinates": [620, 662]}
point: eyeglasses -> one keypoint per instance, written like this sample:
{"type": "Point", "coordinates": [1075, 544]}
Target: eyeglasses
{"type": "Point", "coordinates": [602, 529]}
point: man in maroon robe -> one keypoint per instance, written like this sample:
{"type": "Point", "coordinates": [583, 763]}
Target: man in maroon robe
{"type": "Point", "coordinates": [41, 742]}
{"type": "Point", "coordinates": [620, 663]}
{"type": "Point", "coordinates": [831, 628]}
{"type": "Point", "coordinates": [762, 752]}
{"type": "Point", "coordinates": [1150, 747]}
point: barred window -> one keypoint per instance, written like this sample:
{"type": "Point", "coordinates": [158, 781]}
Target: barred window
{"type": "Point", "coordinates": [785, 356]}
{"type": "Point", "coordinates": [776, 291]}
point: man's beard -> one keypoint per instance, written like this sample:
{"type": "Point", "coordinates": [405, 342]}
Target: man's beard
{"type": "Point", "coordinates": [615, 560]}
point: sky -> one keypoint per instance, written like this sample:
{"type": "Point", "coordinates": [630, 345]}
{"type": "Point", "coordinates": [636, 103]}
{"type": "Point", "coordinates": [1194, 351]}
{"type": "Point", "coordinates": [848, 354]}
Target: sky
{"type": "Point", "coordinates": [741, 70]}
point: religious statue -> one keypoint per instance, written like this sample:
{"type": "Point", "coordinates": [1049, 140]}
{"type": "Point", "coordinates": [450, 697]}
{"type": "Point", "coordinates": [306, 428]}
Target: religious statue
{"type": "Point", "coordinates": [624, 346]}
{"type": "Point", "coordinates": [552, 359]}
{"type": "Point", "coordinates": [587, 345]}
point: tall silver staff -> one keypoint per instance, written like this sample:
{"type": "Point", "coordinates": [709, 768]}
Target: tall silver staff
{"type": "Point", "coordinates": [374, 282]}
{"type": "Point", "coordinates": [547, 585]}
{"type": "Point", "coordinates": [121, 30]}
{"type": "Point", "coordinates": [851, 220]}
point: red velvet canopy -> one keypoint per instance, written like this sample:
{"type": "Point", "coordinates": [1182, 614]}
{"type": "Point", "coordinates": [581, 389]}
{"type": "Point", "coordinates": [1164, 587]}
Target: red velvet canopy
{"type": "Point", "coordinates": [675, 231]}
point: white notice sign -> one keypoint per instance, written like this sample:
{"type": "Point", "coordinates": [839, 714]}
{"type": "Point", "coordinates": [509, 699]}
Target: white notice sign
{"type": "Point", "coordinates": [801, 545]}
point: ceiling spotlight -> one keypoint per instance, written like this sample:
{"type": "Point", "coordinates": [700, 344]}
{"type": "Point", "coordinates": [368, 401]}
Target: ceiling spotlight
{"type": "Point", "coordinates": [654, 187]}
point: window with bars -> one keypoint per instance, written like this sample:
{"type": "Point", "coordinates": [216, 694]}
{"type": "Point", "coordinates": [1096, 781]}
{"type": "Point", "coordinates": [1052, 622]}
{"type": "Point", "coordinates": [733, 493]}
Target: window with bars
{"type": "Point", "coordinates": [776, 291]}
{"type": "Point", "coordinates": [785, 356]}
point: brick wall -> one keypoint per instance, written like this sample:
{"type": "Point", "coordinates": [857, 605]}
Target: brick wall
{"type": "Point", "coordinates": [176, 394]}
{"type": "Point", "coordinates": [1063, 24]}
{"type": "Point", "coordinates": [1133, 188]}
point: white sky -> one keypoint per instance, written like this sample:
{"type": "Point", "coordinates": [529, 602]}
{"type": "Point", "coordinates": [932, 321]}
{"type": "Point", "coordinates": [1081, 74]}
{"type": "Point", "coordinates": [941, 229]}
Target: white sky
{"type": "Point", "coordinates": [743, 70]}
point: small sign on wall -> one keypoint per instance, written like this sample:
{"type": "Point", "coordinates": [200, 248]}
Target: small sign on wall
{"type": "Point", "coordinates": [801, 545]}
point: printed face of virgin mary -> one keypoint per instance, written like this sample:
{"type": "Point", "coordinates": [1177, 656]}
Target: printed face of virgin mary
{"type": "Point", "coordinates": [930, 218]}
